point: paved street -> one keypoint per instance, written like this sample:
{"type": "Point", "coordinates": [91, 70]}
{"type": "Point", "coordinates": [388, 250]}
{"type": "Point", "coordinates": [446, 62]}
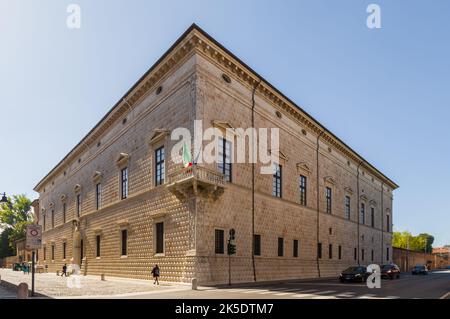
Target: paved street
{"type": "Point", "coordinates": [49, 284]}
{"type": "Point", "coordinates": [435, 285]}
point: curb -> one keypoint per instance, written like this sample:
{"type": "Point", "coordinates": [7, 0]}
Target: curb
{"type": "Point", "coordinates": [13, 289]}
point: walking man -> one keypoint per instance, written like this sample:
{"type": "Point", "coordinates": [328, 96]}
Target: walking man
{"type": "Point", "coordinates": [155, 273]}
{"type": "Point", "coordinates": [64, 270]}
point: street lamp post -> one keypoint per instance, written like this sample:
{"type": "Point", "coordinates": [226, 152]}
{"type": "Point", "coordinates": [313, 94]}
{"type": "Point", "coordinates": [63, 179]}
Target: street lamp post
{"type": "Point", "coordinates": [4, 199]}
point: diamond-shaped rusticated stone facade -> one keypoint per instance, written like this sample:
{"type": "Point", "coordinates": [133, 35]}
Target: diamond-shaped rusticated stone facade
{"type": "Point", "coordinates": [188, 84]}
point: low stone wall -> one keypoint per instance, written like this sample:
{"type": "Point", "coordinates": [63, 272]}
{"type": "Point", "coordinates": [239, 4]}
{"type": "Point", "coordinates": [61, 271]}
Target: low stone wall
{"type": "Point", "coordinates": [9, 261]}
{"type": "Point", "coordinates": [407, 259]}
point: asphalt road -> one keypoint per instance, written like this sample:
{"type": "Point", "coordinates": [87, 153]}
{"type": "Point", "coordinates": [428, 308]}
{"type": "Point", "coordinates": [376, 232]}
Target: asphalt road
{"type": "Point", "coordinates": [435, 285]}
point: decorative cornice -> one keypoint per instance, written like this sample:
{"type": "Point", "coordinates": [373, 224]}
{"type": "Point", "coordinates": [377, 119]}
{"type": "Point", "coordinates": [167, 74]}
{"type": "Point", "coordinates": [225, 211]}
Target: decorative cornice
{"type": "Point", "coordinates": [77, 189]}
{"type": "Point", "coordinates": [348, 190]}
{"type": "Point", "coordinates": [179, 52]}
{"type": "Point", "coordinates": [303, 167]}
{"type": "Point", "coordinates": [282, 156]}
{"type": "Point", "coordinates": [159, 135]}
{"type": "Point", "coordinates": [123, 159]}
{"type": "Point", "coordinates": [97, 177]}
{"type": "Point", "coordinates": [329, 180]}
{"type": "Point", "coordinates": [193, 41]}
{"type": "Point", "coordinates": [224, 126]}
{"type": "Point", "coordinates": [123, 223]}
{"type": "Point", "coordinates": [209, 48]}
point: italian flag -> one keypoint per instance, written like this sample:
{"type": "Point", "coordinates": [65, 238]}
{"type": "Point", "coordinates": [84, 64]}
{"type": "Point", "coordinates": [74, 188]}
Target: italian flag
{"type": "Point", "coordinates": [187, 160]}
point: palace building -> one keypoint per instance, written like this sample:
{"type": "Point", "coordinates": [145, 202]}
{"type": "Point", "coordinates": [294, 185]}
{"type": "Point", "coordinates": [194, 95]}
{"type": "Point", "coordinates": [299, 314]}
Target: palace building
{"type": "Point", "coordinates": [118, 204]}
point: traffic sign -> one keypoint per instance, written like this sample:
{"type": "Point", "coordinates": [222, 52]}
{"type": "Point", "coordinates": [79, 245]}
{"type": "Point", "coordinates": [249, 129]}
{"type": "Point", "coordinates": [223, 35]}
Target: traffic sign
{"type": "Point", "coordinates": [34, 237]}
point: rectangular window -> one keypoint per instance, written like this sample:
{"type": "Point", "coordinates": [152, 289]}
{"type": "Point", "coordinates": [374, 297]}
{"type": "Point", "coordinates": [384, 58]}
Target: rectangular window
{"type": "Point", "coordinates": [387, 253]}
{"type": "Point", "coordinates": [372, 255]}
{"type": "Point", "coordinates": [219, 241]}
{"type": "Point", "coordinates": [257, 245]}
{"type": "Point", "coordinates": [124, 242]}
{"type": "Point", "coordinates": [53, 252]}
{"type": "Point", "coordinates": [328, 196]}
{"type": "Point", "coordinates": [98, 196]}
{"type": "Point", "coordinates": [347, 207]}
{"type": "Point", "coordinates": [388, 224]}
{"type": "Point", "coordinates": [340, 252]}
{"type": "Point", "coordinates": [160, 238]}
{"type": "Point", "coordinates": [97, 245]}
{"type": "Point", "coordinates": [276, 185]}
{"type": "Point", "coordinates": [45, 253]}
{"type": "Point", "coordinates": [78, 208]}
{"type": "Point", "coordinates": [295, 248]}
{"type": "Point", "coordinates": [224, 160]}
{"type": "Point", "coordinates": [302, 190]}
{"type": "Point", "coordinates": [64, 250]}
{"type": "Point", "coordinates": [280, 247]}
{"type": "Point", "coordinates": [362, 217]}
{"type": "Point", "coordinates": [53, 219]}
{"type": "Point", "coordinates": [44, 223]}
{"type": "Point", "coordinates": [362, 254]}
{"type": "Point", "coordinates": [355, 253]}
{"type": "Point", "coordinates": [319, 250]}
{"type": "Point", "coordinates": [124, 183]}
{"type": "Point", "coordinates": [159, 166]}
{"type": "Point", "coordinates": [64, 211]}
{"type": "Point", "coordinates": [372, 216]}
{"type": "Point", "coordinates": [330, 251]}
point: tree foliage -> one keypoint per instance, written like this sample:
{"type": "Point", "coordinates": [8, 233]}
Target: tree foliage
{"type": "Point", "coordinates": [15, 216]}
{"type": "Point", "coordinates": [5, 248]}
{"type": "Point", "coordinates": [422, 242]}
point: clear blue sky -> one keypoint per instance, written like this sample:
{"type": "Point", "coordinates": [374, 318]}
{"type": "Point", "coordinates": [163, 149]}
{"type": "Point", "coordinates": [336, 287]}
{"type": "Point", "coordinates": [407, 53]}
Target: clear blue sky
{"type": "Point", "coordinates": [385, 92]}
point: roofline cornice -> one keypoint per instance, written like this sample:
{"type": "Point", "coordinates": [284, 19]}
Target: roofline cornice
{"type": "Point", "coordinates": [195, 40]}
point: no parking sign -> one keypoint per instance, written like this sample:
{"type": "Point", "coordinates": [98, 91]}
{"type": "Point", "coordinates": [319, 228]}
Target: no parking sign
{"type": "Point", "coordinates": [34, 237]}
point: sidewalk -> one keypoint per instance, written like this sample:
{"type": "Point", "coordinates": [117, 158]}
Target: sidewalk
{"type": "Point", "coordinates": [6, 294]}
{"type": "Point", "coordinates": [53, 286]}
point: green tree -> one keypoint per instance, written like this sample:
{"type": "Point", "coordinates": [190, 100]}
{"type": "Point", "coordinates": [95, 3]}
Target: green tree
{"type": "Point", "coordinates": [15, 216]}
{"type": "Point", "coordinates": [422, 242]}
{"type": "Point", "coordinates": [427, 242]}
{"type": "Point", "coordinates": [5, 248]}
{"type": "Point", "coordinates": [402, 240]}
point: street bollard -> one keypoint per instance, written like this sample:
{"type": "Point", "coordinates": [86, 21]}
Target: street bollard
{"type": "Point", "coordinates": [22, 291]}
{"type": "Point", "coordinates": [102, 277]}
{"type": "Point", "coordinates": [57, 273]}
{"type": "Point", "coordinates": [194, 283]}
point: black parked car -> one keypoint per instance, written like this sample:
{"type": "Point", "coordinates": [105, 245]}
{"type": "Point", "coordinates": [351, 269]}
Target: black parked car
{"type": "Point", "coordinates": [390, 271]}
{"type": "Point", "coordinates": [355, 273]}
{"type": "Point", "coordinates": [419, 270]}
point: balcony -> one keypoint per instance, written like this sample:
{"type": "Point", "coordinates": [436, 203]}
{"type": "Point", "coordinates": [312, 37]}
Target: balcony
{"type": "Point", "coordinates": [196, 180]}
